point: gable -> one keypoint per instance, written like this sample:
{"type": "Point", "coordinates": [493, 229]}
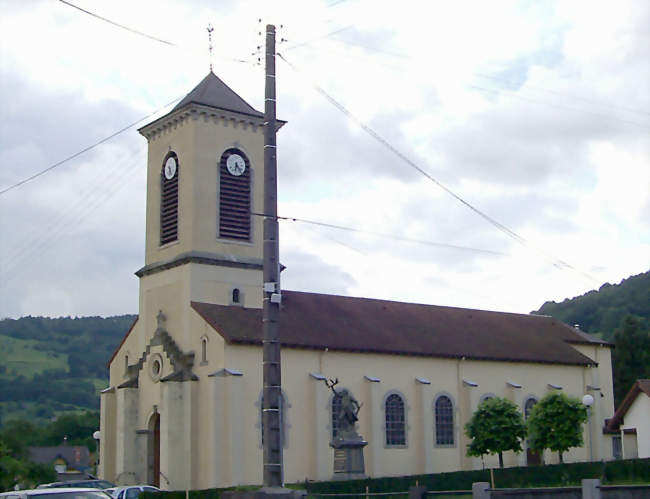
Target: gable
{"type": "Point", "coordinates": [317, 321]}
{"type": "Point", "coordinates": [640, 388]}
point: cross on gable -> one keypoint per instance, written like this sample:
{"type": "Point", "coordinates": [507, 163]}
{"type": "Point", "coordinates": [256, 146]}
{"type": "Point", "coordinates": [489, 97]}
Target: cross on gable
{"type": "Point", "coordinates": [161, 318]}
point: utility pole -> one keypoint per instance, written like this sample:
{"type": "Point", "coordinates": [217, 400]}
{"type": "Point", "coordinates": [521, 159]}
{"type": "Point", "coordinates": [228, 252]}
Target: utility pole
{"type": "Point", "coordinates": [272, 382]}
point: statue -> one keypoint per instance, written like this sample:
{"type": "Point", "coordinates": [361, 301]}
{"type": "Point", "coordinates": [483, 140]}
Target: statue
{"type": "Point", "coordinates": [348, 444]}
{"type": "Point", "coordinates": [348, 413]}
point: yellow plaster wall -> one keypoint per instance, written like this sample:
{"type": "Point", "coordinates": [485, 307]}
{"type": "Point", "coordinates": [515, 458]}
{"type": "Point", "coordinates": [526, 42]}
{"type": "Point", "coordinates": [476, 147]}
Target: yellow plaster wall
{"type": "Point", "coordinates": [397, 374]}
{"type": "Point", "coordinates": [638, 418]}
{"type": "Point", "coordinates": [199, 142]}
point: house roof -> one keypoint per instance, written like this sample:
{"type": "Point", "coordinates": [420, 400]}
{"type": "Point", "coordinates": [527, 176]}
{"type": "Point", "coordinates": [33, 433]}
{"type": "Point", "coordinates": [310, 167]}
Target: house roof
{"type": "Point", "coordinates": [215, 93]}
{"type": "Point", "coordinates": [640, 386]}
{"type": "Point", "coordinates": [75, 456]}
{"type": "Point", "coordinates": [317, 321]}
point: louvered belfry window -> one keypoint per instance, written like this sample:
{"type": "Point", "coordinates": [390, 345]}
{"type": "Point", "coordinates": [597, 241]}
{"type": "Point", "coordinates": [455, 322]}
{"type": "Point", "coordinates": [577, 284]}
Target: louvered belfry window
{"type": "Point", "coordinates": [169, 202]}
{"type": "Point", "coordinates": [234, 199]}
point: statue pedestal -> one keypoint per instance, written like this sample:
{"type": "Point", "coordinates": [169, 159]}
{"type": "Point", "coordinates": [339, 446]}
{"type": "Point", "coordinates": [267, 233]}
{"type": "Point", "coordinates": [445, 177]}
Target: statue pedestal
{"type": "Point", "coordinates": [348, 457]}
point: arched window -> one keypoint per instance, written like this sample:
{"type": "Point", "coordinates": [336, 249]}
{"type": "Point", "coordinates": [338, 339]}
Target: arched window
{"type": "Point", "coordinates": [234, 196]}
{"type": "Point", "coordinates": [395, 420]}
{"type": "Point", "coordinates": [235, 295]}
{"type": "Point", "coordinates": [486, 396]}
{"type": "Point", "coordinates": [444, 412]}
{"type": "Point", "coordinates": [169, 199]}
{"type": "Point", "coordinates": [528, 406]}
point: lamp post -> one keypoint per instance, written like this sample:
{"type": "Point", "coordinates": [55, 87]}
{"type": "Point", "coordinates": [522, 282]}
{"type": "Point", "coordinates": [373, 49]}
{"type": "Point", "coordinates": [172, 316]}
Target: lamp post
{"type": "Point", "coordinates": [588, 401]}
{"type": "Point", "coordinates": [97, 436]}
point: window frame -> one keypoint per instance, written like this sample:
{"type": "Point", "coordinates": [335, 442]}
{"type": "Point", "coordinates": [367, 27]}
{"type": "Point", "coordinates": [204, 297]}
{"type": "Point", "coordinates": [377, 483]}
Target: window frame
{"type": "Point", "coordinates": [436, 399]}
{"type": "Point", "coordinates": [389, 442]}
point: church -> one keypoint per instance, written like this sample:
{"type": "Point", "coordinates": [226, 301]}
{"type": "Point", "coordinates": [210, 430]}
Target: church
{"type": "Point", "coordinates": [183, 406]}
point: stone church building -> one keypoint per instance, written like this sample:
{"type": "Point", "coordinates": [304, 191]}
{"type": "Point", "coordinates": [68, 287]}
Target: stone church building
{"type": "Point", "coordinates": [183, 409]}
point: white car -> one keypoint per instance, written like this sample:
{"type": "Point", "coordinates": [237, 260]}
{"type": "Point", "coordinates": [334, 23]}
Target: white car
{"type": "Point", "coordinates": [132, 491]}
{"type": "Point", "coordinates": [57, 493]}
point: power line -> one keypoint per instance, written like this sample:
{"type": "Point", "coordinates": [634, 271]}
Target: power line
{"type": "Point", "coordinates": [135, 31]}
{"type": "Point", "coordinates": [58, 224]}
{"type": "Point", "coordinates": [142, 33]}
{"type": "Point", "coordinates": [558, 106]}
{"type": "Point", "coordinates": [386, 235]}
{"type": "Point", "coordinates": [482, 75]}
{"type": "Point", "coordinates": [510, 233]}
{"type": "Point", "coordinates": [79, 153]}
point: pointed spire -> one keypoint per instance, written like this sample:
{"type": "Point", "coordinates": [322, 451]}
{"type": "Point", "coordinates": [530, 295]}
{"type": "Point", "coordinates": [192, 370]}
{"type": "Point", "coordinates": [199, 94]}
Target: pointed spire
{"type": "Point", "coordinates": [215, 93]}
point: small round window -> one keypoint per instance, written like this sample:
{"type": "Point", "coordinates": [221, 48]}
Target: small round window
{"type": "Point", "coordinates": [155, 366]}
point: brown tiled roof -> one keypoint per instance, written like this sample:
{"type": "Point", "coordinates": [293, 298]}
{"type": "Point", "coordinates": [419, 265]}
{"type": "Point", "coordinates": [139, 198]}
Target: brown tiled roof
{"type": "Point", "coordinates": [641, 385]}
{"type": "Point", "coordinates": [316, 321]}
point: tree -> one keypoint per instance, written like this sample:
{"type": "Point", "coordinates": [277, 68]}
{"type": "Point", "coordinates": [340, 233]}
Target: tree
{"type": "Point", "coordinates": [496, 426]}
{"type": "Point", "coordinates": [631, 357]}
{"type": "Point", "coordinates": [15, 470]}
{"type": "Point", "coordinates": [555, 423]}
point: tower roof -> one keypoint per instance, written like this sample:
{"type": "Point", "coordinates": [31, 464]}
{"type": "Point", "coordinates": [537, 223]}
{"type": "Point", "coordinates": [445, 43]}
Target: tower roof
{"type": "Point", "coordinates": [215, 93]}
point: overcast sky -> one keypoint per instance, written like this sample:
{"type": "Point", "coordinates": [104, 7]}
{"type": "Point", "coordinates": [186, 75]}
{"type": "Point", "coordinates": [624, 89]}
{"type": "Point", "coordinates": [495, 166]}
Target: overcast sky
{"type": "Point", "coordinates": [536, 114]}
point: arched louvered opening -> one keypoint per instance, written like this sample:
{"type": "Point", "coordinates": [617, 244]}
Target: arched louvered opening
{"type": "Point", "coordinates": [169, 199]}
{"type": "Point", "coordinates": [234, 196]}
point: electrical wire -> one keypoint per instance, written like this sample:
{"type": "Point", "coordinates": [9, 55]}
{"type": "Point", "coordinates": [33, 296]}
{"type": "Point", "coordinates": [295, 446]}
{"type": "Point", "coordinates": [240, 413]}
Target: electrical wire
{"type": "Point", "coordinates": [60, 223]}
{"type": "Point", "coordinates": [86, 149]}
{"type": "Point", "coordinates": [143, 34]}
{"type": "Point", "coordinates": [513, 93]}
{"type": "Point", "coordinates": [135, 31]}
{"type": "Point", "coordinates": [384, 235]}
{"type": "Point", "coordinates": [510, 233]}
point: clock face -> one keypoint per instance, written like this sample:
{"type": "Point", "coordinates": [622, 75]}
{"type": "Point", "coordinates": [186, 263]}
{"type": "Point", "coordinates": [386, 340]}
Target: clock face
{"type": "Point", "coordinates": [236, 164]}
{"type": "Point", "coordinates": [170, 168]}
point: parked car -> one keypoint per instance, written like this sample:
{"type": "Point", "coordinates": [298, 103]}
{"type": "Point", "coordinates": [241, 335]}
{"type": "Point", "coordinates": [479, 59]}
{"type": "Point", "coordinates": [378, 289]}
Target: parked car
{"type": "Point", "coordinates": [57, 493]}
{"type": "Point", "coordinates": [133, 491]}
{"type": "Point", "coordinates": [90, 484]}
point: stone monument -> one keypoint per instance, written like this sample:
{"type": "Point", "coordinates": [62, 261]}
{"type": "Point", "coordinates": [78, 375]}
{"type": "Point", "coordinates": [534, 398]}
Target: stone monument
{"type": "Point", "coordinates": [348, 444]}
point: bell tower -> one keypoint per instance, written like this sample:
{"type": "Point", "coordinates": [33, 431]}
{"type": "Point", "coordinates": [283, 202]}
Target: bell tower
{"type": "Point", "coordinates": [204, 179]}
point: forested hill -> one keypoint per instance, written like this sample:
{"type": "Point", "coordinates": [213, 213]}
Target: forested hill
{"type": "Point", "coordinates": [49, 366]}
{"type": "Point", "coordinates": [603, 311]}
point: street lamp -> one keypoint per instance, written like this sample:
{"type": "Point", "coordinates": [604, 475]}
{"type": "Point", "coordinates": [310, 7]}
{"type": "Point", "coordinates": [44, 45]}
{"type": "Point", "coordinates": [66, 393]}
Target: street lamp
{"type": "Point", "coordinates": [588, 401]}
{"type": "Point", "coordinates": [97, 436]}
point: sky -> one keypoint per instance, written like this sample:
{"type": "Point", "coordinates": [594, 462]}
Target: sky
{"type": "Point", "coordinates": [493, 155]}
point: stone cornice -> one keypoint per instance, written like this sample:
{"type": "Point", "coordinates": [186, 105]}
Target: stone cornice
{"type": "Point", "coordinates": [201, 258]}
{"type": "Point", "coordinates": [194, 112]}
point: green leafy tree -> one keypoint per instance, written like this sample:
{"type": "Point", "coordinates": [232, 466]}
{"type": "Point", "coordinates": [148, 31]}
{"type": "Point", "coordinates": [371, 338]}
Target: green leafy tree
{"type": "Point", "coordinates": [15, 470]}
{"type": "Point", "coordinates": [631, 357]}
{"type": "Point", "coordinates": [555, 423]}
{"type": "Point", "coordinates": [496, 426]}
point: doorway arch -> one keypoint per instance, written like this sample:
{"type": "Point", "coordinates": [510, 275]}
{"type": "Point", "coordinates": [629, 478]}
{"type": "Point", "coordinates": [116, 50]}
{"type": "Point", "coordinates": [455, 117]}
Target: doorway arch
{"type": "Point", "coordinates": [153, 450]}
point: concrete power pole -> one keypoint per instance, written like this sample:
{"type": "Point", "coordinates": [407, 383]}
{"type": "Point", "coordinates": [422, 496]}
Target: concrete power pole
{"type": "Point", "coordinates": [272, 382]}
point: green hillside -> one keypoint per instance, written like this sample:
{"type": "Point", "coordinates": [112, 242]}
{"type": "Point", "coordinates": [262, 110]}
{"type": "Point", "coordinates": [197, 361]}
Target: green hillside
{"type": "Point", "coordinates": [602, 312]}
{"type": "Point", "coordinates": [53, 366]}
{"type": "Point", "coordinates": [620, 314]}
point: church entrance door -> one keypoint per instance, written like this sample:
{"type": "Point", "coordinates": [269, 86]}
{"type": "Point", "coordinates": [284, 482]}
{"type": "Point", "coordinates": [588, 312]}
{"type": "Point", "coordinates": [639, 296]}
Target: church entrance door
{"type": "Point", "coordinates": [153, 460]}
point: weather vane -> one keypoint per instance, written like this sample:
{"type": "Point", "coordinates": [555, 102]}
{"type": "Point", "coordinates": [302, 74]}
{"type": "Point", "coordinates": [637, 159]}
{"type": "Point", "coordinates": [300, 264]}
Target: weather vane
{"type": "Point", "coordinates": [210, 30]}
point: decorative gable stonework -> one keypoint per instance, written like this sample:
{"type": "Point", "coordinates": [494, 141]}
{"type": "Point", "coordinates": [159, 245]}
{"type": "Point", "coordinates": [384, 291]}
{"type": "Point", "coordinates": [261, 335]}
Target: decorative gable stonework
{"type": "Point", "coordinates": [182, 363]}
